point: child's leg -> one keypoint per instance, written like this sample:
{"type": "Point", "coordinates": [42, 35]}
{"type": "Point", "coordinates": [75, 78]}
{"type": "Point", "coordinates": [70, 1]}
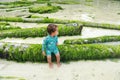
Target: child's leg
{"type": "Point", "coordinates": [49, 61]}
{"type": "Point", "coordinates": [49, 58]}
{"type": "Point", "coordinates": [58, 59]}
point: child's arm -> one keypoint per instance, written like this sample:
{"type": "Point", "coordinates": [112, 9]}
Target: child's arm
{"type": "Point", "coordinates": [56, 40]}
{"type": "Point", "coordinates": [44, 47]}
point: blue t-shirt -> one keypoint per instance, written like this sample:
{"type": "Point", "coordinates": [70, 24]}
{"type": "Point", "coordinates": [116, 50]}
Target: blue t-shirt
{"type": "Point", "coordinates": [50, 43]}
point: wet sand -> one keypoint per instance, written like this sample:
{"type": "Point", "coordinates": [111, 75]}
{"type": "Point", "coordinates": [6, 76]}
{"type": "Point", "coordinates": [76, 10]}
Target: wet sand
{"type": "Point", "coordinates": [28, 25]}
{"type": "Point", "coordinates": [81, 70]}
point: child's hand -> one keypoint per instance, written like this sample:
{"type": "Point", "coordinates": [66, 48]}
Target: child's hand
{"type": "Point", "coordinates": [57, 44]}
{"type": "Point", "coordinates": [43, 53]}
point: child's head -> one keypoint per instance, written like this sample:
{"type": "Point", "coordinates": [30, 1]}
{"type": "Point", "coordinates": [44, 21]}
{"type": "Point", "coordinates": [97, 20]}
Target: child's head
{"type": "Point", "coordinates": [52, 29]}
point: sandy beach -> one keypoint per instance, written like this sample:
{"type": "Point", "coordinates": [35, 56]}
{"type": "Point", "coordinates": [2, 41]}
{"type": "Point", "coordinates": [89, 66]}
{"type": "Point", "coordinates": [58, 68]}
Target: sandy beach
{"type": "Point", "coordinates": [80, 70]}
{"type": "Point", "coordinates": [100, 11]}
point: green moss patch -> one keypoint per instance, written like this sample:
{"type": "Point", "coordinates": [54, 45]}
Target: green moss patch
{"type": "Point", "coordinates": [33, 52]}
{"type": "Point", "coordinates": [101, 39]}
{"type": "Point", "coordinates": [45, 9]}
{"type": "Point", "coordinates": [15, 4]}
{"type": "Point", "coordinates": [7, 26]}
{"type": "Point", "coordinates": [40, 32]}
{"type": "Point", "coordinates": [37, 19]}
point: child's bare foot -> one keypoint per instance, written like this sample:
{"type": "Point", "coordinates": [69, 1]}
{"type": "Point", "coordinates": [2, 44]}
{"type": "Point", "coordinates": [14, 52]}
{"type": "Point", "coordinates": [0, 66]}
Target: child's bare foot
{"type": "Point", "coordinates": [58, 64]}
{"type": "Point", "coordinates": [51, 65]}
